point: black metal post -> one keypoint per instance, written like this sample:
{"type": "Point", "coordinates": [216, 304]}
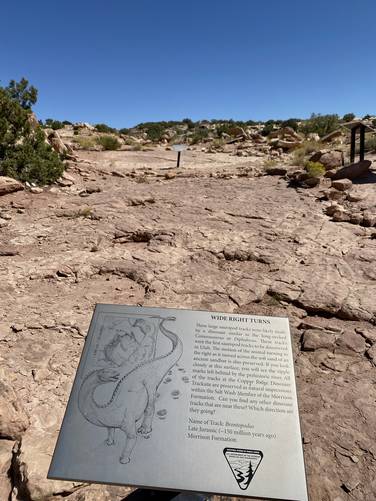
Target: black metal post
{"type": "Point", "coordinates": [178, 163]}
{"type": "Point", "coordinates": [361, 143]}
{"type": "Point", "coordinates": [150, 495]}
{"type": "Point", "coordinates": [352, 148]}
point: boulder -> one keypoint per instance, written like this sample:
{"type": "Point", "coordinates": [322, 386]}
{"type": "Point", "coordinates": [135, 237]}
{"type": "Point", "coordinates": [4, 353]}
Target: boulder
{"type": "Point", "coordinates": [6, 447]}
{"type": "Point", "coordinates": [285, 145]}
{"type": "Point", "coordinates": [57, 144]}
{"type": "Point", "coordinates": [353, 171]}
{"type": "Point", "coordinates": [333, 194]}
{"type": "Point", "coordinates": [276, 171]}
{"type": "Point", "coordinates": [369, 219]}
{"type": "Point", "coordinates": [356, 218]}
{"type": "Point", "coordinates": [329, 211]}
{"type": "Point", "coordinates": [329, 159]}
{"type": "Point", "coordinates": [342, 184]}
{"type": "Point", "coordinates": [31, 464]}
{"type": "Point", "coordinates": [351, 342]}
{"type": "Point", "coordinates": [331, 136]}
{"type": "Point", "coordinates": [13, 418]}
{"type": "Point", "coordinates": [286, 133]}
{"type": "Point", "coordinates": [313, 136]}
{"type": "Point", "coordinates": [315, 339]}
{"type": "Point", "coordinates": [9, 185]}
{"type": "Point", "coordinates": [356, 196]}
{"type": "Point", "coordinates": [371, 353]}
{"type": "Point", "coordinates": [341, 216]}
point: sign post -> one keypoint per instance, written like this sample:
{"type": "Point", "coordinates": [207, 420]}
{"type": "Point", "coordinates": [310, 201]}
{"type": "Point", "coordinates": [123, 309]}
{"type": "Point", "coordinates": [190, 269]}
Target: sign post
{"type": "Point", "coordinates": [179, 148]}
{"type": "Point", "coordinates": [182, 400]}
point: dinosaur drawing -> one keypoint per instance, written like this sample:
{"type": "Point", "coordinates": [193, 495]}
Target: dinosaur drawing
{"type": "Point", "coordinates": [133, 397]}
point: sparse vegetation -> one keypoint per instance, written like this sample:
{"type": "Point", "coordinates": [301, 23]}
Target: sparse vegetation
{"type": "Point", "coordinates": [54, 124]}
{"type": "Point", "coordinates": [199, 135]}
{"type": "Point", "coordinates": [349, 117]}
{"type": "Point", "coordinates": [109, 142]}
{"type": "Point", "coordinates": [270, 162]}
{"type": "Point", "coordinates": [291, 122]}
{"type": "Point", "coordinates": [370, 143]}
{"type": "Point", "coordinates": [85, 142]}
{"type": "Point", "coordinates": [320, 124]}
{"type": "Point", "coordinates": [305, 149]}
{"type": "Point", "coordinates": [314, 169]}
{"type": "Point", "coordinates": [24, 154]}
{"type": "Point", "coordinates": [105, 129]}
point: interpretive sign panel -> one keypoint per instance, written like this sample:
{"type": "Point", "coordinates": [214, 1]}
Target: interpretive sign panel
{"type": "Point", "coordinates": [185, 400]}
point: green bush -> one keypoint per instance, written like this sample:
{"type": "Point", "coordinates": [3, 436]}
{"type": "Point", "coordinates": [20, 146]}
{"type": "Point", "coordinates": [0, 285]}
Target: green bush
{"type": "Point", "coordinates": [24, 154]}
{"type": "Point", "coordinates": [154, 131]}
{"type": "Point", "coordinates": [291, 122]}
{"type": "Point", "coordinates": [320, 124]}
{"type": "Point", "coordinates": [199, 135]}
{"type": "Point", "coordinates": [315, 169]}
{"type": "Point", "coordinates": [54, 124]}
{"type": "Point", "coordinates": [109, 142]}
{"type": "Point", "coordinates": [190, 123]}
{"type": "Point", "coordinates": [85, 142]}
{"type": "Point", "coordinates": [349, 117]}
{"type": "Point", "coordinates": [124, 131]}
{"type": "Point", "coordinates": [22, 93]}
{"type": "Point", "coordinates": [370, 143]}
{"type": "Point", "coordinates": [105, 128]}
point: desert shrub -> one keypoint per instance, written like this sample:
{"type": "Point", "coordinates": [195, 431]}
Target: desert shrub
{"type": "Point", "coordinates": [124, 131]}
{"type": "Point", "coordinates": [370, 143]}
{"type": "Point", "coordinates": [269, 126]}
{"type": "Point", "coordinates": [190, 123]}
{"type": "Point", "coordinates": [105, 128]}
{"type": "Point", "coordinates": [199, 135]}
{"type": "Point", "coordinates": [154, 131]}
{"type": "Point", "coordinates": [24, 154]}
{"type": "Point", "coordinates": [305, 149]}
{"type": "Point", "coordinates": [54, 124]}
{"type": "Point", "coordinates": [227, 128]}
{"type": "Point", "coordinates": [291, 122]}
{"type": "Point", "coordinates": [67, 122]}
{"type": "Point", "coordinates": [109, 142]}
{"type": "Point", "coordinates": [32, 160]}
{"type": "Point", "coordinates": [314, 169]}
{"type": "Point", "coordinates": [86, 142]}
{"type": "Point", "coordinates": [320, 124]}
{"type": "Point", "coordinates": [270, 162]}
{"type": "Point", "coordinates": [348, 117]}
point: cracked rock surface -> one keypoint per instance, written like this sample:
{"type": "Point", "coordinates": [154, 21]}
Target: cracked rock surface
{"type": "Point", "coordinates": [213, 235]}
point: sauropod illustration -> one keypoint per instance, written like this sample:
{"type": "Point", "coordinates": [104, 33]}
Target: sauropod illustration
{"type": "Point", "coordinates": [133, 397]}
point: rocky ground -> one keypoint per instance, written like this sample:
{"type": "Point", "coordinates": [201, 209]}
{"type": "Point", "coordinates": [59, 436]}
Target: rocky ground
{"type": "Point", "coordinates": [127, 227]}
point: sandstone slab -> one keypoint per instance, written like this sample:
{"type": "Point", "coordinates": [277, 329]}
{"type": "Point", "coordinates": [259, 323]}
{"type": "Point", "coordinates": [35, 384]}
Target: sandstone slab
{"type": "Point", "coordinates": [9, 185]}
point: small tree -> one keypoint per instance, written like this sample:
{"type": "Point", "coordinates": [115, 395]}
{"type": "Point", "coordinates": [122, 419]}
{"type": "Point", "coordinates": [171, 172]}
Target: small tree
{"type": "Point", "coordinates": [349, 117]}
{"type": "Point", "coordinates": [24, 154]}
{"type": "Point", "coordinates": [24, 94]}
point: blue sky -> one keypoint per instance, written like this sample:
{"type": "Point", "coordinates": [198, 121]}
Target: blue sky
{"type": "Point", "coordinates": [124, 62]}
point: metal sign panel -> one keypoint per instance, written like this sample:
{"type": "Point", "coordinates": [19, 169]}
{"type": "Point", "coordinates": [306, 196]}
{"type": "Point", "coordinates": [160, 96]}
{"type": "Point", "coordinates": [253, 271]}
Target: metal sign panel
{"type": "Point", "coordinates": [179, 147]}
{"type": "Point", "coordinates": [184, 400]}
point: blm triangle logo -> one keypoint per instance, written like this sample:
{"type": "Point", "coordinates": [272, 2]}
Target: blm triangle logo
{"type": "Point", "coordinates": [243, 464]}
